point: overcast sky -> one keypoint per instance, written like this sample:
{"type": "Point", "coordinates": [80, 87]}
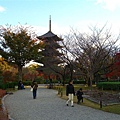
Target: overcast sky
{"type": "Point", "coordinates": [65, 14]}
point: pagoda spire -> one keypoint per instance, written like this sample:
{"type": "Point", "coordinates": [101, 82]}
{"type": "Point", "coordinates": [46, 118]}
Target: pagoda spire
{"type": "Point", "coordinates": [50, 24]}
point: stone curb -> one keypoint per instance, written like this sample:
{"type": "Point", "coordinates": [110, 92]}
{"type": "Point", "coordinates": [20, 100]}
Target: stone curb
{"type": "Point", "coordinates": [4, 109]}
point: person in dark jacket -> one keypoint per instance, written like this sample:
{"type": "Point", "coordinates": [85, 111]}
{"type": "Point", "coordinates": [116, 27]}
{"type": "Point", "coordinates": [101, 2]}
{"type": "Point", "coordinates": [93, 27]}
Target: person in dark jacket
{"type": "Point", "coordinates": [34, 86]}
{"type": "Point", "coordinates": [79, 95]}
{"type": "Point", "coordinates": [19, 85]}
{"type": "Point", "coordinates": [70, 93]}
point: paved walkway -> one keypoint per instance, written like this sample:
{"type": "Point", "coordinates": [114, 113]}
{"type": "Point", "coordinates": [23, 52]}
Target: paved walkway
{"type": "Point", "coordinates": [48, 106]}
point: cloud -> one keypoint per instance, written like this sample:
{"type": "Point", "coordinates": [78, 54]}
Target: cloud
{"type": "Point", "coordinates": [2, 9]}
{"type": "Point", "coordinates": [109, 4]}
{"type": "Point", "coordinates": [85, 25]}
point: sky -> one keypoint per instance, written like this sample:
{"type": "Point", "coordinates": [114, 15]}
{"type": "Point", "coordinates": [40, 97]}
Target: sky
{"type": "Point", "coordinates": [65, 14]}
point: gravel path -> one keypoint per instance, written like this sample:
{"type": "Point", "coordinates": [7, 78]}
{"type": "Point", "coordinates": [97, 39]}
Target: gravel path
{"type": "Point", "coordinates": [48, 106]}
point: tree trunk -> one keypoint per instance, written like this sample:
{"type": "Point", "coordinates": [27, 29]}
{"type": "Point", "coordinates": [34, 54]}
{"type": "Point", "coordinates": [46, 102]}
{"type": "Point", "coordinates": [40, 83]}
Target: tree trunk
{"type": "Point", "coordinates": [91, 80]}
{"type": "Point", "coordinates": [63, 77]}
{"type": "Point", "coordinates": [19, 73]}
{"type": "Point", "coordinates": [71, 73]}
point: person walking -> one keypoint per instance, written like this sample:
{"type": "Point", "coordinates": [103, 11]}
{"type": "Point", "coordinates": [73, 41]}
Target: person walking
{"type": "Point", "coordinates": [70, 93]}
{"type": "Point", "coordinates": [34, 86]}
{"type": "Point", "coordinates": [79, 95]}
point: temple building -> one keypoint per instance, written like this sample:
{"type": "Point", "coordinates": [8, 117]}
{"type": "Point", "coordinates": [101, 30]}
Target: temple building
{"type": "Point", "coordinates": [50, 53]}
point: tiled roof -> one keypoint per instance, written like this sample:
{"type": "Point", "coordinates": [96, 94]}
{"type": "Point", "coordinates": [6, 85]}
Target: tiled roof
{"type": "Point", "coordinates": [47, 35]}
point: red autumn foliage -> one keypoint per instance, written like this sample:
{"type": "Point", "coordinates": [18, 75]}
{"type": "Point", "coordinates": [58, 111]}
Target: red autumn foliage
{"type": "Point", "coordinates": [2, 93]}
{"type": "Point", "coordinates": [30, 75]}
{"type": "Point", "coordinates": [115, 68]}
{"type": "Point", "coordinates": [45, 76]}
{"type": "Point", "coordinates": [3, 114]}
{"type": "Point", "coordinates": [8, 76]}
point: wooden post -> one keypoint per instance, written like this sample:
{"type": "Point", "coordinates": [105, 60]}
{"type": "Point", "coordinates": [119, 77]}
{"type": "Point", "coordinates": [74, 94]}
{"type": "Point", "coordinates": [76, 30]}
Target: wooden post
{"type": "Point", "coordinates": [61, 92]}
{"type": "Point", "coordinates": [100, 103]}
{"type": "Point", "coordinates": [58, 90]}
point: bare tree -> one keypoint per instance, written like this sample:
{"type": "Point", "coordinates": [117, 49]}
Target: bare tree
{"type": "Point", "coordinates": [93, 52]}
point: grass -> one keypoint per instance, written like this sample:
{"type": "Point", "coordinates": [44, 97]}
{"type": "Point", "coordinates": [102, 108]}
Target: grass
{"type": "Point", "coordinates": [110, 108]}
{"type": "Point", "coordinates": [113, 109]}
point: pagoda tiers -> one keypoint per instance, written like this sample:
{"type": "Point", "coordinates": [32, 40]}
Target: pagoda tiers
{"type": "Point", "coordinates": [50, 51]}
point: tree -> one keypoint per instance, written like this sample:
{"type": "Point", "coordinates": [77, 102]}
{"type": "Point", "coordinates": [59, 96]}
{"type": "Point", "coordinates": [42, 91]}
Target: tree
{"type": "Point", "coordinates": [19, 46]}
{"type": "Point", "coordinates": [67, 65]}
{"type": "Point", "coordinates": [6, 71]}
{"type": "Point", "coordinates": [114, 70]}
{"type": "Point", "coordinates": [3, 65]}
{"type": "Point", "coordinates": [30, 72]}
{"type": "Point", "coordinates": [93, 52]}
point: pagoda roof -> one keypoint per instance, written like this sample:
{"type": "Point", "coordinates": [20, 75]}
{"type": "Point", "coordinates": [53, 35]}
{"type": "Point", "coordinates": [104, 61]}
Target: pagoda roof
{"type": "Point", "coordinates": [49, 34]}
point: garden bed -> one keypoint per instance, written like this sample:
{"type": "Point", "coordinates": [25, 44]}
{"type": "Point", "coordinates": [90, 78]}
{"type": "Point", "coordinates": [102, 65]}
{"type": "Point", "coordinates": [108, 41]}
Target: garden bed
{"type": "Point", "coordinates": [106, 97]}
{"type": "Point", "coordinates": [3, 114]}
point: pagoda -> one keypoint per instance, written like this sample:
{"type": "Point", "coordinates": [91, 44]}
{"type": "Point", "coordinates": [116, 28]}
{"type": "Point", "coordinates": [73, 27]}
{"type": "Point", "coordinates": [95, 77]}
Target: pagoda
{"type": "Point", "coordinates": [50, 53]}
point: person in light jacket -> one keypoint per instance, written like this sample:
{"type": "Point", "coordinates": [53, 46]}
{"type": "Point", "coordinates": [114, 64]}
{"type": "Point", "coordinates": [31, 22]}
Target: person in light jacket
{"type": "Point", "coordinates": [34, 86]}
{"type": "Point", "coordinates": [70, 93]}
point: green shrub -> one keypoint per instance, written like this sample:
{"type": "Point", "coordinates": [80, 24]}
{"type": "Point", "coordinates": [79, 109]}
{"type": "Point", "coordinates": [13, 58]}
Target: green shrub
{"type": "Point", "coordinates": [2, 86]}
{"type": "Point", "coordinates": [11, 84]}
{"type": "Point", "coordinates": [27, 83]}
{"type": "Point", "coordinates": [40, 80]}
{"type": "Point", "coordinates": [108, 85]}
{"type": "Point", "coordinates": [79, 82]}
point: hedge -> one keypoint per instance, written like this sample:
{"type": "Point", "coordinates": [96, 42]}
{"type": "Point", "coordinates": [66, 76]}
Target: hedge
{"type": "Point", "coordinates": [108, 85]}
{"type": "Point", "coordinates": [79, 82]}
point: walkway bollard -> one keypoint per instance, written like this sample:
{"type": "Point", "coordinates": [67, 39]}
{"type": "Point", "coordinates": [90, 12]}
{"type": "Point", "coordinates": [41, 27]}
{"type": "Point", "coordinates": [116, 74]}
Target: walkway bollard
{"type": "Point", "coordinates": [58, 91]}
{"type": "Point", "coordinates": [100, 94]}
{"type": "Point", "coordinates": [61, 92]}
{"type": "Point", "coordinates": [100, 103]}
